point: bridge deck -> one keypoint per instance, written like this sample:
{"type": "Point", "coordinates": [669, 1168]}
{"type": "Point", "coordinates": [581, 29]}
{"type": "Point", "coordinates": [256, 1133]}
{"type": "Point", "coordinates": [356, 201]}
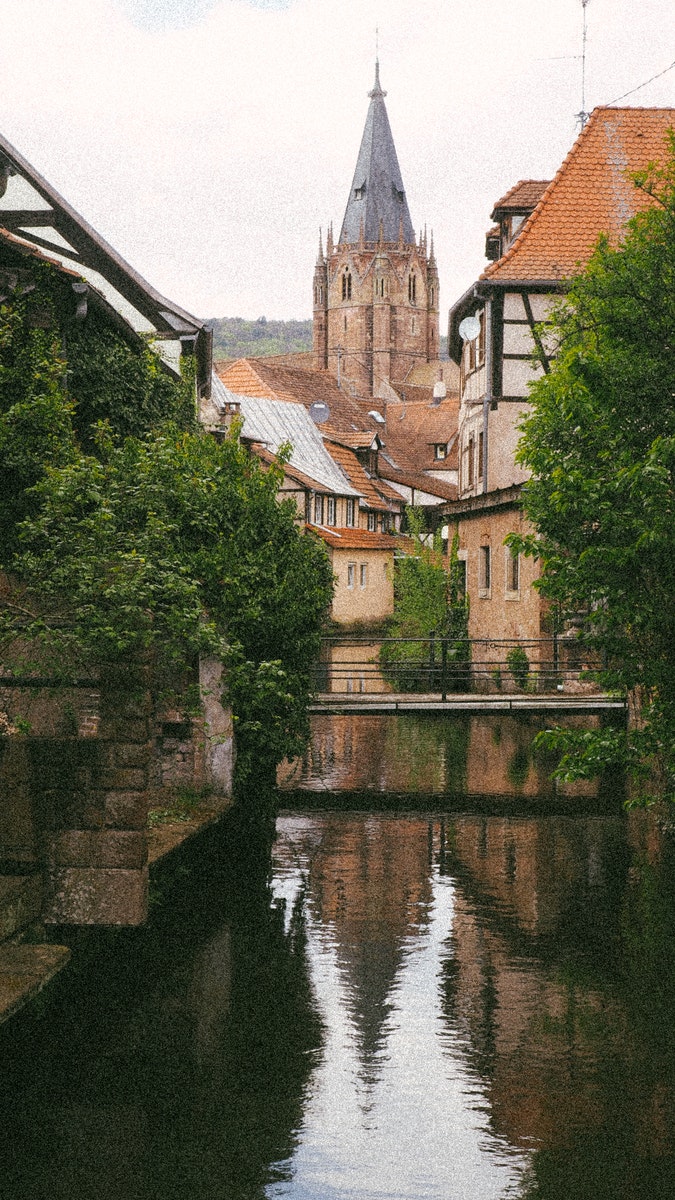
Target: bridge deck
{"type": "Point", "coordinates": [383, 702]}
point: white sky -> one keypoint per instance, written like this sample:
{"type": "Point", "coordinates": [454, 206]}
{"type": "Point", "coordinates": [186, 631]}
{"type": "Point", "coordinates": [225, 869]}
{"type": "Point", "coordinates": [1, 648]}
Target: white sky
{"type": "Point", "coordinates": [208, 140]}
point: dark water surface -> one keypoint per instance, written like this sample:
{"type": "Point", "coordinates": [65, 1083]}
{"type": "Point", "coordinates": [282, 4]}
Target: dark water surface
{"type": "Point", "coordinates": [418, 1004]}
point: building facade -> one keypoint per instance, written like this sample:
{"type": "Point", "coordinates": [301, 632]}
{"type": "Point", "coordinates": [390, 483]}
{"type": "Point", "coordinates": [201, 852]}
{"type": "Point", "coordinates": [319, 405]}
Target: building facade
{"type": "Point", "coordinates": [375, 302]}
{"type": "Point", "coordinates": [544, 234]}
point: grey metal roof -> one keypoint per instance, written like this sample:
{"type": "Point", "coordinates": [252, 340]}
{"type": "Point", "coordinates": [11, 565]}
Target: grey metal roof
{"type": "Point", "coordinates": [274, 422]}
{"type": "Point", "coordinates": [377, 193]}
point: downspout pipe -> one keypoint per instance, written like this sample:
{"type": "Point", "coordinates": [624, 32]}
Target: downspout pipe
{"type": "Point", "coordinates": [487, 398]}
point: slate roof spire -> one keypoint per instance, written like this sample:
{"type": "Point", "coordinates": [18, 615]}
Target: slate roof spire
{"type": "Point", "coordinates": [377, 197]}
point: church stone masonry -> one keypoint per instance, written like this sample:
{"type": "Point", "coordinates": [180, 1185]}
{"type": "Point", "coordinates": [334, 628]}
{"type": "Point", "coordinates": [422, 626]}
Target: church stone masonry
{"type": "Point", "coordinates": [376, 290]}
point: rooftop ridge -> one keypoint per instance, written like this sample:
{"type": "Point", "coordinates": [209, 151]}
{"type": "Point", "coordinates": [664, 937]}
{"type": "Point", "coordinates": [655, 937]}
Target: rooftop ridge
{"type": "Point", "coordinates": [499, 268]}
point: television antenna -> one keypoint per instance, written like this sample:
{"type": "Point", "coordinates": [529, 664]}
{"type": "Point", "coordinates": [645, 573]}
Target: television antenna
{"type": "Point", "coordinates": [583, 116]}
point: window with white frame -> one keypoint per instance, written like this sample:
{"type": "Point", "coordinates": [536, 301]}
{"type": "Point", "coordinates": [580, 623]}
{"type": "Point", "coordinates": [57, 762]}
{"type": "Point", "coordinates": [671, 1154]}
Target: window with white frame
{"type": "Point", "coordinates": [363, 575]}
{"type": "Point", "coordinates": [351, 574]}
{"type": "Point", "coordinates": [318, 509]}
{"type": "Point", "coordinates": [349, 512]}
{"type": "Point", "coordinates": [330, 510]}
{"type": "Point", "coordinates": [372, 522]}
{"type": "Point", "coordinates": [440, 450]}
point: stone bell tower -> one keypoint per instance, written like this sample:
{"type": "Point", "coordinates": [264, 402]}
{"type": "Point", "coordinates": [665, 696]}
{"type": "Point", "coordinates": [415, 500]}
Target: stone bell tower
{"type": "Point", "coordinates": [376, 289]}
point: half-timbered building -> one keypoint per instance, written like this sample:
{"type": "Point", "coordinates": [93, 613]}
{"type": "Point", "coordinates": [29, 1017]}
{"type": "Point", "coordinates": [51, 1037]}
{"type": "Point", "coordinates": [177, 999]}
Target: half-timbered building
{"type": "Point", "coordinates": [544, 233]}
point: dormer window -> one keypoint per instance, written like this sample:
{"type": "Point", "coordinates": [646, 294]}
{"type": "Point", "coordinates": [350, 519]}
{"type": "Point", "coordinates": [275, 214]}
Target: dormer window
{"type": "Point", "coordinates": [440, 450]}
{"type": "Point", "coordinates": [359, 192]}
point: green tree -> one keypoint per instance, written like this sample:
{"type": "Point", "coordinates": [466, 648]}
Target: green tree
{"type": "Point", "coordinates": [148, 548]}
{"type": "Point", "coordinates": [600, 443]}
{"type": "Point", "coordinates": [428, 598]}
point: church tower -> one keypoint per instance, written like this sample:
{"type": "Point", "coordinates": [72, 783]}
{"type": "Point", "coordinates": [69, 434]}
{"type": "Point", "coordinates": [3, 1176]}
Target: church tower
{"type": "Point", "coordinates": [376, 289]}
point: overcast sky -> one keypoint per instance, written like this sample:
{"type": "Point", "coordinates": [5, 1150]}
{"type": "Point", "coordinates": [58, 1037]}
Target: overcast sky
{"type": "Point", "coordinates": [208, 140]}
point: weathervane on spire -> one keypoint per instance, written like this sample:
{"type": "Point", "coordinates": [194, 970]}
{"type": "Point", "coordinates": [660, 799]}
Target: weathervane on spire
{"type": "Point", "coordinates": [377, 90]}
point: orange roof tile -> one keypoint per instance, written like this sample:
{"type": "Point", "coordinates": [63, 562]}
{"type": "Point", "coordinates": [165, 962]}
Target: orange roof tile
{"type": "Point", "coordinates": [592, 193]}
{"type": "Point", "coordinates": [270, 379]}
{"type": "Point", "coordinates": [413, 429]}
{"type": "Point", "coordinates": [421, 482]}
{"type": "Point", "coordinates": [524, 194]}
{"type": "Point", "coordinates": [376, 493]}
{"type": "Point", "coordinates": [354, 539]}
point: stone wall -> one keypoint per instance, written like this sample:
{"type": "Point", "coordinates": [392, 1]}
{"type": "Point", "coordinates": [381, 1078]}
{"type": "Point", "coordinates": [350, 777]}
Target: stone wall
{"type": "Point", "coordinates": [75, 791]}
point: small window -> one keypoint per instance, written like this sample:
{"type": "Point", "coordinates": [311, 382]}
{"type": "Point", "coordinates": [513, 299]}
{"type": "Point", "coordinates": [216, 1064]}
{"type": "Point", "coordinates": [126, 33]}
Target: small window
{"type": "Point", "coordinates": [330, 510]}
{"type": "Point", "coordinates": [351, 574]}
{"type": "Point", "coordinates": [512, 572]}
{"type": "Point", "coordinates": [386, 522]}
{"type": "Point", "coordinates": [480, 455]}
{"type": "Point", "coordinates": [412, 289]}
{"type": "Point", "coordinates": [349, 517]}
{"type": "Point", "coordinates": [318, 509]}
{"type": "Point", "coordinates": [484, 569]}
{"type": "Point", "coordinates": [470, 473]}
{"type": "Point", "coordinates": [347, 285]}
{"type": "Point", "coordinates": [363, 575]}
{"type": "Point", "coordinates": [440, 450]}
{"type": "Point", "coordinates": [372, 522]}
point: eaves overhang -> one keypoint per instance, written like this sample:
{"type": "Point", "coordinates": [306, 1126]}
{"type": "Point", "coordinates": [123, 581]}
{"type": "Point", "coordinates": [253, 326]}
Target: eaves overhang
{"type": "Point", "coordinates": [34, 211]}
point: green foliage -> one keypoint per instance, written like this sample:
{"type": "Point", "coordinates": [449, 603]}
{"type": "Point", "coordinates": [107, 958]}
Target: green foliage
{"type": "Point", "coordinates": [35, 414]}
{"type": "Point", "coordinates": [138, 540]}
{"type": "Point", "coordinates": [234, 337]}
{"type": "Point", "coordinates": [600, 442]}
{"type": "Point", "coordinates": [519, 666]}
{"type": "Point", "coordinates": [428, 599]}
{"type": "Point", "coordinates": [111, 380]}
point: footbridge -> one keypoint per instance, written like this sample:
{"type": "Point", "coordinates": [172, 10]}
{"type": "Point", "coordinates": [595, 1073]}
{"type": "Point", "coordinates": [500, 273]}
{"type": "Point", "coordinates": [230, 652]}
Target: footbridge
{"type": "Point", "coordinates": [439, 674]}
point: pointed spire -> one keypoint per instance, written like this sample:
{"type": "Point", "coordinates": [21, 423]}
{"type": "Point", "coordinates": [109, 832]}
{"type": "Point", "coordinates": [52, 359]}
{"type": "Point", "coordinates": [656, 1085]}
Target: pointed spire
{"type": "Point", "coordinates": [329, 240]}
{"type": "Point", "coordinates": [377, 196]}
{"type": "Point", "coordinates": [377, 93]}
{"type": "Point", "coordinates": [320, 258]}
{"type": "Point", "coordinates": [432, 256]}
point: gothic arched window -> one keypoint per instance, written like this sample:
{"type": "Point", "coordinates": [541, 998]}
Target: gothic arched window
{"type": "Point", "coordinates": [347, 285]}
{"type": "Point", "coordinates": [412, 289]}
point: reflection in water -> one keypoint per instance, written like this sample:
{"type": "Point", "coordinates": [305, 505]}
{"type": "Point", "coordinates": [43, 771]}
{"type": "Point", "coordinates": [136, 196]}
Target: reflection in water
{"type": "Point", "coordinates": [498, 998]}
{"type": "Point", "coordinates": [414, 1006]}
{"type": "Point", "coordinates": [481, 754]}
{"type": "Point", "coordinates": [176, 1063]}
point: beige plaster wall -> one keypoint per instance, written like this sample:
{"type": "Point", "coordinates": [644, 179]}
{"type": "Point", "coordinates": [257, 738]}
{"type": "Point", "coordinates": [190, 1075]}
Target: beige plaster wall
{"type": "Point", "coordinates": [499, 612]}
{"type": "Point", "coordinates": [369, 603]}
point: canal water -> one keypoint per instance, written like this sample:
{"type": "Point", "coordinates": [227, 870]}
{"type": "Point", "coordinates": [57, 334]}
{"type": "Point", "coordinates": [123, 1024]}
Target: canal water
{"type": "Point", "coordinates": [456, 982]}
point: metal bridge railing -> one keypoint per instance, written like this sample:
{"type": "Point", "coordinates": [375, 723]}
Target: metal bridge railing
{"type": "Point", "coordinates": [440, 665]}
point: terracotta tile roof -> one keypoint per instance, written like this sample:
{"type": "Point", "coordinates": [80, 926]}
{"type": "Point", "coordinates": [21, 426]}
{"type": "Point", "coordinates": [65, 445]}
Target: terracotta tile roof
{"type": "Point", "coordinates": [523, 195]}
{"type": "Point", "coordinates": [420, 481]}
{"type": "Point", "coordinates": [592, 193]}
{"type": "Point", "coordinates": [376, 493]}
{"type": "Point", "coordinates": [269, 378]}
{"type": "Point", "coordinates": [413, 429]}
{"type": "Point", "coordinates": [354, 539]}
{"type": "Point", "coordinates": [355, 441]}
{"type": "Point", "coordinates": [426, 374]}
